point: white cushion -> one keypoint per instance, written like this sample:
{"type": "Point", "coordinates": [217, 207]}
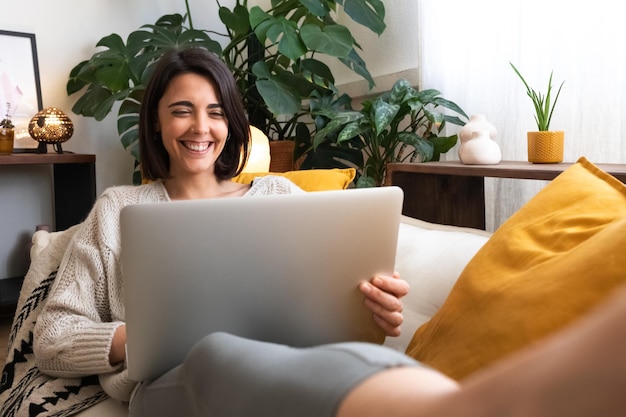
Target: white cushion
{"type": "Point", "coordinates": [430, 258]}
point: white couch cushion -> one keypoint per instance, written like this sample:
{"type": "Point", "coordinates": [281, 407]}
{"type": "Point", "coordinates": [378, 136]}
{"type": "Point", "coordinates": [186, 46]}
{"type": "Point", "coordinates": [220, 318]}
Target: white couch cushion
{"type": "Point", "coordinates": [430, 257]}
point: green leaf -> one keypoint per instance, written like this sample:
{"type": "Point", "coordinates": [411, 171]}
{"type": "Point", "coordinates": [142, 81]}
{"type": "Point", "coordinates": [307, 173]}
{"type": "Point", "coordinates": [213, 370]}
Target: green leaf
{"type": "Point", "coordinates": [400, 91]}
{"type": "Point", "coordinates": [369, 13]}
{"type": "Point", "coordinates": [365, 182]}
{"type": "Point", "coordinates": [261, 22]}
{"type": "Point", "coordinates": [317, 72]}
{"type": "Point", "coordinates": [442, 144]}
{"type": "Point", "coordinates": [285, 32]}
{"type": "Point", "coordinates": [440, 101]}
{"type": "Point", "coordinates": [334, 40]}
{"type": "Point", "coordinates": [425, 149]}
{"type": "Point", "coordinates": [384, 113]}
{"type": "Point", "coordinates": [113, 42]}
{"type": "Point", "coordinates": [350, 131]}
{"type": "Point", "coordinates": [356, 64]}
{"type": "Point", "coordinates": [115, 78]}
{"type": "Point", "coordinates": [340, 119]}
{"type": "Point", "coordinates": [237, 20]}
{"type": "Point", "coordinates": [316, 7]}
{"type": "Point", "coordinates": [87, 105]}
{"type": "Point", "coordinates": [280, 98]}
{"type": "Point", "coordinates": [105, 106]}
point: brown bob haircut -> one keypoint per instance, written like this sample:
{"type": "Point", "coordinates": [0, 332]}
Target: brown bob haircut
{"type": "Point", "coordinates": [155, 161]}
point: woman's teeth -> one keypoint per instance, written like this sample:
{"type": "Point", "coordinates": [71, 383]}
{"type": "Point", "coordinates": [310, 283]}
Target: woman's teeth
{"type": "Point", "coordinates": [197, 146]}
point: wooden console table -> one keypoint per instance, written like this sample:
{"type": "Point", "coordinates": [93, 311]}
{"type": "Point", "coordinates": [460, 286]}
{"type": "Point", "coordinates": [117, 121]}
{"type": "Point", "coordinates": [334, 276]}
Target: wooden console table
{"type": "Point", "coordinates": [74, 179]}
{"type": "Point", "coordinates": [453, 193]}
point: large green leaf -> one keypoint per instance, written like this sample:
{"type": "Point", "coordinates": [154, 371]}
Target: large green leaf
{"type": "Point", "coordinates": [280, 98]}
{"type": "Point", "coordinates": [285, 32]}
{"type": "Point", "coordinates": [334, 40]}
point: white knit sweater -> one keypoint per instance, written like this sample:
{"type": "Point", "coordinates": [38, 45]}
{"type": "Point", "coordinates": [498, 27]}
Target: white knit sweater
{"type": "Point", "coordinates": [75, 329]}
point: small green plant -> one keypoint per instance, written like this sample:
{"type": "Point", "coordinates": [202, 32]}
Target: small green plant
{"type": "Point", "coordinates": [543, 108]}
{"type": "Point", "coordinates": [399, 125]}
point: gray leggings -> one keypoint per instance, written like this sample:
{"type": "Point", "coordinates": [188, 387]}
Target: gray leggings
{"type": "Point", "coordinates": [228, 376]}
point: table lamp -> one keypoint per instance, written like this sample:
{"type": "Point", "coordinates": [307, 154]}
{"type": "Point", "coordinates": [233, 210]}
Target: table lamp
{"type": "Point", "coordinates": [50, 125]}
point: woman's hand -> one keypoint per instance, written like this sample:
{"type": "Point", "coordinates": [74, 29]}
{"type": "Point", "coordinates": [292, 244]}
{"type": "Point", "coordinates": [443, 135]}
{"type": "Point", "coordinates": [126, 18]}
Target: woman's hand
{"type": "Point", "coordinates": [382, 297]}
{"type": "Point", "coordinates": [117, 354]}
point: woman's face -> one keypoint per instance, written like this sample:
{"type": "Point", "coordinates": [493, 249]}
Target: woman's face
{"type": "Point", "coordinates": [192, 124]}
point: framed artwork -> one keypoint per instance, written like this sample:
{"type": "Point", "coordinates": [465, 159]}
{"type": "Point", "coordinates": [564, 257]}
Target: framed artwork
{"type": "Point", "coordinates": [20, 89]}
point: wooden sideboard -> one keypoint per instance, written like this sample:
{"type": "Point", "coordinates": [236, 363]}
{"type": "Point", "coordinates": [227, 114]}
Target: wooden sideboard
{"type": "Point", "coordinates": [74, 181]}
{"type": "Point", "coordinates": [453, 193]}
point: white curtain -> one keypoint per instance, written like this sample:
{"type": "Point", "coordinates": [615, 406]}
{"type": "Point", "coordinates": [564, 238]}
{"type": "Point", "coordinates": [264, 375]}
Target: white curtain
{"type": "Point", "coordinates": [465, 50]}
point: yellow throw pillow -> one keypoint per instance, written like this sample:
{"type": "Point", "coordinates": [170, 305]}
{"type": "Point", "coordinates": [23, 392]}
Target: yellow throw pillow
{"type": "Point", "coordinates": [550, 262]}
{"type": "Point", "coordinates": [309, 179]}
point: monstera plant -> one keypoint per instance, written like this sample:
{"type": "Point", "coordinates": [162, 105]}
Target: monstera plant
{"type": "Point", "coordinates": [272, 53]}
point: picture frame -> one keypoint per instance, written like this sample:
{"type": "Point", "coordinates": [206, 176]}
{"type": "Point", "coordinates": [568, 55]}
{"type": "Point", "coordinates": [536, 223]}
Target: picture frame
{"type": "Point", "coordinates": [20, 85]}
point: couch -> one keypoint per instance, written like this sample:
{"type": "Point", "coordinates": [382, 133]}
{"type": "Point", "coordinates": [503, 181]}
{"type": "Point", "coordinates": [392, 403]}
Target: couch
{"type": "Point", "coordinates": [476, 297]}
{"type": "Point", "coordinates": [429, 256]}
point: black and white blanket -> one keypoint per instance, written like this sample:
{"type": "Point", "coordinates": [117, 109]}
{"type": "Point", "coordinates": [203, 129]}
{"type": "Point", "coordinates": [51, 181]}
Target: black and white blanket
{"type": "Point", "coordinates": [24, 390]}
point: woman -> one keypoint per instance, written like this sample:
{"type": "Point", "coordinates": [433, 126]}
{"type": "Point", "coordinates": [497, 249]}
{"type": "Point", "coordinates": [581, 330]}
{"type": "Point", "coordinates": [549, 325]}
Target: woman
{"type": "Point", "coordinates": [193, 133]}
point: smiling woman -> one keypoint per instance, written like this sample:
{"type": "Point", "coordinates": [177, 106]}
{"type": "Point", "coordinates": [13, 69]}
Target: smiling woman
{"type": "Point", "coordinates": [193, 133]}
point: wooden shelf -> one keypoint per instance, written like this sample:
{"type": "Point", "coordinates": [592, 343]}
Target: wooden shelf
{"type": "Point", "coordinates": [46, 158]}
{"type": "Point", "coordinates": [456, 192]}
{"type": "Point", "coordinates": [505, 169]}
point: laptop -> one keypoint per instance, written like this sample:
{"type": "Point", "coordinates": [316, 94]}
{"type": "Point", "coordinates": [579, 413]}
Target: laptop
{"type": "Point", "coordinates": [281, 268]}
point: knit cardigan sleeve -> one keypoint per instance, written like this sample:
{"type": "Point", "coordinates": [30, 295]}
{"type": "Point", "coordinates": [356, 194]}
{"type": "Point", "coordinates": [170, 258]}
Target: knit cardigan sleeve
{"type": "Point", "coordinates": [74, 331]}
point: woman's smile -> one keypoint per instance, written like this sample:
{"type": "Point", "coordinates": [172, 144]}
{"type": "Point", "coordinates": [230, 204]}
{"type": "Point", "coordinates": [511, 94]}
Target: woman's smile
{"type": "Point", "coordinates": [196, 146]}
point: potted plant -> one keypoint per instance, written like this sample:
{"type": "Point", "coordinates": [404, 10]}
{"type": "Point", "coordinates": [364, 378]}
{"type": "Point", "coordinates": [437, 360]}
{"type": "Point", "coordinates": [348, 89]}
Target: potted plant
{"type": "Point", "coordinates": [400, 125]}
{"type": "Point", "coordinates": [544, 145]}
{"type": "Point", "coordinates": [272, 53]}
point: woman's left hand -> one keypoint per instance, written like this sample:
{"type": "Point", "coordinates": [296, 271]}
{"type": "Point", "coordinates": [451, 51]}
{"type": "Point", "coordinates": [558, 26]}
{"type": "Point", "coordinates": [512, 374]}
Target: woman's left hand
{"type": "Point", "coordinates": [383, 297]}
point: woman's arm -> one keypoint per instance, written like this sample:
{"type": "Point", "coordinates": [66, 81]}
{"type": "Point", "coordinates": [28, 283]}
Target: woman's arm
{"type": "Point", "coordinates": [74, 331]}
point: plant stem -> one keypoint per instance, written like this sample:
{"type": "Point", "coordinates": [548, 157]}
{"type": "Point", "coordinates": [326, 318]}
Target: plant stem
{"type": "Point", "coordinates": [189, 14]}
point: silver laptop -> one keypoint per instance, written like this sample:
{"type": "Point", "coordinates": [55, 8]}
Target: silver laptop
{"type": "Point", "coordinates": [281, 268]}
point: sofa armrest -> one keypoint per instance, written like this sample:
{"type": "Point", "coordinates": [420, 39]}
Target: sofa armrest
{"type": "Point", "coordinates": [430, 258]}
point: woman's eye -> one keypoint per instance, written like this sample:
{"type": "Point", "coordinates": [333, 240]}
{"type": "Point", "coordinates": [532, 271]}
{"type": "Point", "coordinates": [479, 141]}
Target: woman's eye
{"type": "Point", "coordinates": [181, 112]}
{"type": "Point", "coordinates": [216, 114]}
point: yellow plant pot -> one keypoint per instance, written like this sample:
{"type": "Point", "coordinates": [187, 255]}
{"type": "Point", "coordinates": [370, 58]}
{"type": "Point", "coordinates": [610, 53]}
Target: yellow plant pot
{"type": "Point", "coordinates": [545, 147]}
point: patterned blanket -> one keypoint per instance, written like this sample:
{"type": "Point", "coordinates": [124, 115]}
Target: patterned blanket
{"type": "Point", "coordinates": [24, 390]}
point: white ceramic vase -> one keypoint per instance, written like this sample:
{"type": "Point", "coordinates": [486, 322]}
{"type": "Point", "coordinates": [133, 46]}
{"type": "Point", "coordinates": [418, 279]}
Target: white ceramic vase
{"type": "Point", "coordinates": [480, 149]}
{"type": "Point", "coordinates": [476, 123]}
